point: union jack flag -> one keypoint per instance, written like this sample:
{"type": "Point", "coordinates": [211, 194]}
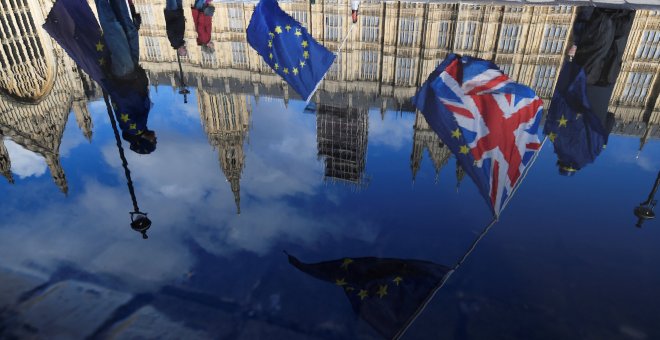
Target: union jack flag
{"type": "Point", "coordinates": [487, 120]}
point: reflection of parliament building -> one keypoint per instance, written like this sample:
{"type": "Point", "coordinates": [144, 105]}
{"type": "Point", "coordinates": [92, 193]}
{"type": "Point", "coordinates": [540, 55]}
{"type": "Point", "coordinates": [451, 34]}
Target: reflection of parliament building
{"type": "Point", "coordinates": [38, 88]}
{"type": "Point", "coordinates": [389, 53]}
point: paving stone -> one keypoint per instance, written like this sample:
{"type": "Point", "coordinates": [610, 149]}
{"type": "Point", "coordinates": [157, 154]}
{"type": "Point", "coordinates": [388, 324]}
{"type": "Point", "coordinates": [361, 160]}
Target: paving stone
{"type": "Point", "coordinates": [149, 323]}
{"type": "Point", "coordinates": [70, 309]}
{"type": "Point", "coordinates": [14, 284]}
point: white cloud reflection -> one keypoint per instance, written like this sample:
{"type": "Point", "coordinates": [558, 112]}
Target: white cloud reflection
{"type": "Point", "coordinates": [182, 187]}
{"type": "Point", "coordinates": [25, 163]}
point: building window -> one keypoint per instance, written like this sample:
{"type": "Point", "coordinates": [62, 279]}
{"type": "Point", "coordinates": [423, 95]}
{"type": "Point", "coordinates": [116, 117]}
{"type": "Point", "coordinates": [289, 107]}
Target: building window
{"type": "Point", "coordinates": [544, 79]}
{"type": "Point", "coordinates": [146, 13]}
{"type": "Point", "coordinates": [153, 48]}
{"type": "Point", "coordinates": [509, 38]}
{"type": "Point", "coordinates": [235, 14]}
{"type": "Point", "coordinates": [506, 69]}
{"type": "Point", "coordinates": [553, 39]}
{"type": "Point", "coordinates": [649, 46]}
{"type": "Point", "coordinates": [300, 16]}
{"type": "Point", "coordinates": [404, 70]}
{"type": "Point", "coordinates": [334, 73]}
{"type": "Point", "coordinates": [369, 68]}
{"type": "Point", "coordinates": [561, 9]}
{"type": "Point", "coordinates": [370, 28]}
{"type": "Point", "coordinates": [333, 27]}
{"type": "Point", "coordinates": [408, 28]}
{"type": "Point", "coordinates": [637, 86]}
{"type": "Point", "coordinates": [238, 56]}
{"type": "Point", "coordinates": [443, 34]}
{"type": "Point", "coordinates": [209, 59]}
{"type": "Point", "coordinates": [465, 34]}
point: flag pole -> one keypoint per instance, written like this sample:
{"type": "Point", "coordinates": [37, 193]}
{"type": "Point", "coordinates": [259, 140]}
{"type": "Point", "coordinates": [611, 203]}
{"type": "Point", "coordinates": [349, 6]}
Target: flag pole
{"type": "Point", "coordinates": [326, 72]}
{"type": "Point", "coordinates": [472, 247]}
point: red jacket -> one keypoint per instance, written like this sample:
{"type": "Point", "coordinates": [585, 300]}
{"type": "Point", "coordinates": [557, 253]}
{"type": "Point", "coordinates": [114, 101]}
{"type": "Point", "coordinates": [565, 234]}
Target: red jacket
{"type": "Point", "coordinates": [203, 26]}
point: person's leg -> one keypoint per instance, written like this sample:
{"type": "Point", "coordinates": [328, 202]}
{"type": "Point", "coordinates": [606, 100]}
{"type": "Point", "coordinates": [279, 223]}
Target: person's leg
{"type": "Point", "coordinates": [172, 5]}
{"type": "Point", "coordinates": [115, 39]}
{"type": "Point", "coordinates": [122, 13]}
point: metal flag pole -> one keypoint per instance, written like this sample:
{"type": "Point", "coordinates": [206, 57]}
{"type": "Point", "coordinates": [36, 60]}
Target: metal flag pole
{"type": "Point", "coordinates": [139, 220]}
{"type": "Point", "coordinates": [184, 91]}
{"type": "Point", "coordinates": [470, 249]}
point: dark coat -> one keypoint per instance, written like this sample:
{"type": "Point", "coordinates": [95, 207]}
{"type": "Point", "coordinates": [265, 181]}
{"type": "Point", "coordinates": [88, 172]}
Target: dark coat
{"type": "Point", "coordinates": [175, 24]}
{"type": "Point", "coordinates": [601, 35]}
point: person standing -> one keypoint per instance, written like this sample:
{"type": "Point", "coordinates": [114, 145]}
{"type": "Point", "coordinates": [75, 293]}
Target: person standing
{"type": "Point", "coordinates": [202, 13]}
{"type": "Point", "coordinates": [175, 25]}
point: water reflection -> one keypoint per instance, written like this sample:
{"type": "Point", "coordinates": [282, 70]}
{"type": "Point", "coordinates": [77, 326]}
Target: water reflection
{"type": "Point", "coordinates": [274, 160]}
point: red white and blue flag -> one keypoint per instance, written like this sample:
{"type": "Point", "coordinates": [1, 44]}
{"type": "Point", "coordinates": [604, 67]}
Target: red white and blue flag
{"type": "Point", "coordinates": [489, 122]}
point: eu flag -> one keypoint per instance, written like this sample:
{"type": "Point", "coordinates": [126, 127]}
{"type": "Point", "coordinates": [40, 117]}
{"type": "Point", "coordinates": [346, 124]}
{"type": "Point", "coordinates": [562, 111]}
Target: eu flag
{"type": "Point", "coordinates": [73, 25]}
{"type": "Point", "coordinates": [287, 47]}
{"type": "Point", "coordinates": [575, 130]}
{"type": "Point", "coordinates": [386, 293]}
{"type": "Point", "coordinates": [488, 121]}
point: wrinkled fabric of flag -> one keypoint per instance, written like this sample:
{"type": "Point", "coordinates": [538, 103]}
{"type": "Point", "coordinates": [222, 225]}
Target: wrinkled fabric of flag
{"type": "Point", "coordinates": [576, 132]}
{"type": "Point", "coordinates": [72, 24]}
{"type": "Point", "coordinates": [489, 122]}
{"type": "Point", "coordinates": [287, 47]}
{"type": "Point", "coordinates": [386, 293]}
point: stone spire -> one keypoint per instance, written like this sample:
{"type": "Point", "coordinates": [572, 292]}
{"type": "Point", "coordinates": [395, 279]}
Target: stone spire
{"type": "Point", "coordinates": [5, 162]}
{"type": "Point", "coordinates": [83, 118]}
{"type": "Point", "coordinates": [56, 171]}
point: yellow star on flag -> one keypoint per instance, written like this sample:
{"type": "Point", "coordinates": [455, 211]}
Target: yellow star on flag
{"type": "Point", "coordinates": [304, 44]}
{"type": "Point", "coordinates": [278, 29]}
{"type": "Point", "coordinates": [133, 126]}
{"type": "Point", "coordinates": [346, 262]}
{"type": "Point", "coordinates": [99, 46]}
{"type": "Point", "coordinates": [287, 27]}
{"type": "Point", "coordinates": [464, 149]}
{"type": "Point", "coordinates": [139, 132]}
{"type": "Point", "coordinates": [306, 54]}
{"type": "Point", "coordinates": [382, 291]}
{"type": "Point", "coordinates": [456, 133]}
{"type": "Point", "coordinates": [363, 294]}
{"type": "Point", "coordinates": [563, 121]}
{"type": "Point", "coordinates": [124, 117]}
{"type": "Point", "coordinates": [349, 289]}
{"type": "Point", "coordinates": [298, 33]}
{"type": "Point", "coordinates": [397, 280]}
{"type": "Point", "coordinates": [102, 61]}
{"type": "Point", "coordinates": [286, 70]}
{"type": "Point", "coordinates": [340, 282]}
{"type": "Point", "coordinates": [271, 34]}
{"type": "Point", "coordinates": [277, 67]}
{"type": "Point", "coordinates": [270, 56]}
{"type": "Point", "coordinates": [270, 43]}
{"type": "Point", "coordinates": [302, 64]}
{"type": "Point", "coordinates": [295, 71]}
{"type": "Point", "coordinates": [552, 136]}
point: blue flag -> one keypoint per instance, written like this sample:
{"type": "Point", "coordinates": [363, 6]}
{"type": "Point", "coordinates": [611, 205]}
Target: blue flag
{"type": "Point", "coordinates": [73, 25]}
{"type": "Point", "coordinates": [288, 48]}
{"type": "Point", "coordinates": [575, 130]}
{"type": "Point", "coordinates": [489, 122]}
{"type": "Point", "coordinates": [386, 293]}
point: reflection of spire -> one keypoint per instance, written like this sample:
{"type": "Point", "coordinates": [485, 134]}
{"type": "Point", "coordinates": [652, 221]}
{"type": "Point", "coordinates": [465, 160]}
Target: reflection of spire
{"type": "Point", "coordinates": [645, 137]}
{"type": "Point", "coordinates": [56, 171]}
{"type": "Point", "coordinates": [286, 95]}
{"type": "Point", "coordinates": [83, 118]}
{"type": "Point", "coordinates": [226, 122]}
{"type": "Point", "coordinates": [5, 162]}
{"type": "Point", "coordinates": [425, 138]}
{"type": "Point", "coordinates": [460, 173]}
